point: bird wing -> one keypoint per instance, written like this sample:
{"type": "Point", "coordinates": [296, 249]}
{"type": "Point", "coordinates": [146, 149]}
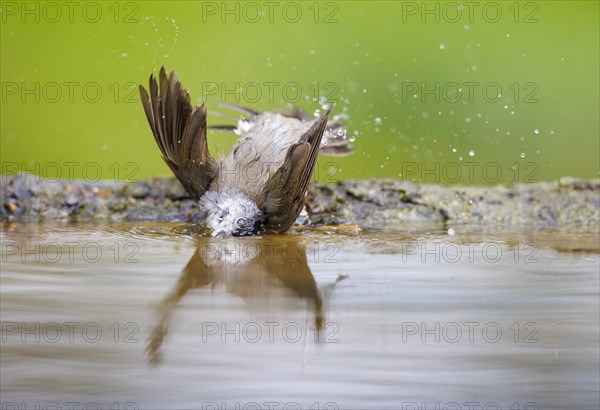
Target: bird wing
{"type": "Point", "coordinates": [180, 132]}
{"type": "Point", "coordinates": [285, 189]}
{"type": "Point", "coordinates": [334, 143]}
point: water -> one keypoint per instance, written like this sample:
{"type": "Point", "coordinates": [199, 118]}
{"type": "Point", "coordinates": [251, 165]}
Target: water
{"type": "Point", "coordinates": [143, 316]}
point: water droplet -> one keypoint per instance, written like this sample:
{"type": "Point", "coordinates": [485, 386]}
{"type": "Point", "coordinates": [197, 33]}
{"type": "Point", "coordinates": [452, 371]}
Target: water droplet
{"type": "Point", "coordinates": [451, 232]}
{"type": "Point", "coordinates": [453, 149]}
{"type": "Point", "coordinates": [536, 131]}
{"type": "Point", "coordinates": [442, 46]}
{"type": "Point", "coordinates": [377, 121]}
{"type": "Point", "coordinates": [471, 153]}
{"type": "Point", "coordinates": [522, 155]}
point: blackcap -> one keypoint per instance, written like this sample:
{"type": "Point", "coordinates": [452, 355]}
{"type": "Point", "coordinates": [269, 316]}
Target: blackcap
{"type": "Point", "coordinates": [261, 184]}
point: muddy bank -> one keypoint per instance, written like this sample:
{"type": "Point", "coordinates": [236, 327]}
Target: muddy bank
{"type": "Point", "coordinates": [372, 203]}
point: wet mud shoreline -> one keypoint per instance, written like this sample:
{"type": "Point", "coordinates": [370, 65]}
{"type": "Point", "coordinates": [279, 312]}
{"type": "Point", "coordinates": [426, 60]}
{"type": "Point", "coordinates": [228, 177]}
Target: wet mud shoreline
{"type": "Point", "coordinates": [377, 203]}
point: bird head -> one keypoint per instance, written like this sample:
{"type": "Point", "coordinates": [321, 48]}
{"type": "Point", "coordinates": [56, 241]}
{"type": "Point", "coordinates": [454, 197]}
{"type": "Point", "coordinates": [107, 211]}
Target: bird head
{"type": "Point", "coordinates": [230, 213]}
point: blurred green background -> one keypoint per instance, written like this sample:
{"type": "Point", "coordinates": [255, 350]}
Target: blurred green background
{"type": "Point", "coordinates": [486, 92]}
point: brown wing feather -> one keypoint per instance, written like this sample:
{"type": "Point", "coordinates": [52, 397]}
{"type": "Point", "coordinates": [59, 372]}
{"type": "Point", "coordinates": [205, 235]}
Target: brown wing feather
{"type": "Point", "coordinates": [286, 189]}
{"type": "Point", "coordinates": [180, 132]}
{"type": "Point", "coordinates": [295, 112]}
{"type": "Point", "coordinates": [334, 144]}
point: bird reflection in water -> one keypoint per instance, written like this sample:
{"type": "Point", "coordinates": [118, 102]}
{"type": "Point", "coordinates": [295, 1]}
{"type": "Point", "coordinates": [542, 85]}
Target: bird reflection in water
{"type": "Point", "coordinates": [260, 267]}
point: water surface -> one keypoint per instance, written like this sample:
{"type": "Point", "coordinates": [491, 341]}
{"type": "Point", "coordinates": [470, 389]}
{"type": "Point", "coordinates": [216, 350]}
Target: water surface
{"type": "Point", "coordinates": [145, 316]}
